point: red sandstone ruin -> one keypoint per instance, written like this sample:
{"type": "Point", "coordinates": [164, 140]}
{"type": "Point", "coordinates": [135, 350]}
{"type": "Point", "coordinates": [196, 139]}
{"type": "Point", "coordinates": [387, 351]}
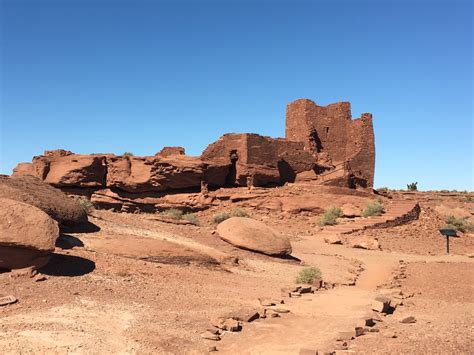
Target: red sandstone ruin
{"type": "Point", "coordinates": [323, 145]}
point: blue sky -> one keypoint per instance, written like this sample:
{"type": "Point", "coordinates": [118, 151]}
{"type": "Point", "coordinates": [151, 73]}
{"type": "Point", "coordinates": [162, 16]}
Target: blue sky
{"type": "Point", "coordinates": [115, 76]}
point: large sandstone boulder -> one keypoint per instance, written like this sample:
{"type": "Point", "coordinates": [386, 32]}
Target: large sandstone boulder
{"type": "Point", "coordinates": [247, 233]}
{"type": "Point", "coordinates": [27, 235]}
{"type": "Point", "coordinates": [349, 210]}
{"type": "Point", "coordinates": [32, 191]}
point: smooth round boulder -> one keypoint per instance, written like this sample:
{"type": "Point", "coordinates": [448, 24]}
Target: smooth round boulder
{"type": "Point", "coordinates": [349, 210]}
{"type": "Point", "coordinates": [247, 233]}
{"type": "Point", "coordinates": [27, 235]}
{"type": "Point", "coordinates": [54, 202]}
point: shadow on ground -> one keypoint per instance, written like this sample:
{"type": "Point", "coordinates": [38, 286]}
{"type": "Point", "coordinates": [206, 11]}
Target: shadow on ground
{"type": "Point", "coordinates": [67, 265]}
{"type": "Point", "coordinates": [66, 241]}
{"type": "Point", "coordinates": [87, 227]}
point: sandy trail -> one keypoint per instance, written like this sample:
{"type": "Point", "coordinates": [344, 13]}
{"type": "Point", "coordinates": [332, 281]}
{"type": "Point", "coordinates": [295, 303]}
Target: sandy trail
{"type": "Point", "coordinates": [315, 320]}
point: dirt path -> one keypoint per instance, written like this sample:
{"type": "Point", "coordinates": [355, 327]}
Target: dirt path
{"type": "Point", "coordinates": [315, 320]}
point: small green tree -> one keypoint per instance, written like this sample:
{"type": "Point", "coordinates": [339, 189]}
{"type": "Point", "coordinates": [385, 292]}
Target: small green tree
{"type": "Point", "coordinates": [413, 186]}
{"type": "Point", "coordinates": [127, 154]}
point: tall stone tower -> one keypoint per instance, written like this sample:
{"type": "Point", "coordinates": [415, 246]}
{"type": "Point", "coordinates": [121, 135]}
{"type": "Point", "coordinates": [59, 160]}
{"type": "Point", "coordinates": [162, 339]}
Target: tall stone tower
{"type": "Point", "coordinates": [331, 130]}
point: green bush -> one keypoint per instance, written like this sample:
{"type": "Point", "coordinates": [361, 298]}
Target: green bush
{"type": "Point", "coordinates": [413, 186]}
{"type": "Point", "coordinates": [85, 203]}
{"type": "Point", "coordinates": [172, 213]}
{"type": "Point", "coordinates": [221, 217]}
{"type": "Point", "coordinates": [461, 224]}
{"type": "Point", "coordinates": [191, 217]}
{"type": "Point", "coordinates": [308, 275]}
{"type": "Point", "coordinates": [128, 154]}
{"type": "Point", "coordinates": [373, 209]}
{"type": "Point", "coordinates": [330, 216]}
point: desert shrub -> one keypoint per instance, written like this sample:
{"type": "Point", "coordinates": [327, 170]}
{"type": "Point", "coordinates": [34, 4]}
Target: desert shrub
{"type": "Point", "coordinates": [239, 213]}
{"type": "Point", "coordinates": [128, 154]}
{"type": "Point", "coordinates": [172, 213]}
{"type": "Point", "coordinates": [308, 275]}
{"type": "Point", "coordinates": [221, 217]}
{"type": "Point", "coordinates": [461, 224]}
{"type": "Point", "coordinates": [382, 189]}
{"type": "Point", "coordinates": [330, 216]}
{"type": "Point", "coordinates": [469, 199]}
{"type": "Point", "coordinates": [373, 209]}
{"type": "Point", "coordinates": [85, 203]}
{"type": "Point", "coordinates": [413, 186]}
{"type": "Point", "coordinates": [191, 217]}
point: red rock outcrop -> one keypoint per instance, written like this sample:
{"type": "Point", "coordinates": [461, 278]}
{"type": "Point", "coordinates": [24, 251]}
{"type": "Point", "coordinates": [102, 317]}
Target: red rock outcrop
{"type": "Point", "coordinates": [323, 145]}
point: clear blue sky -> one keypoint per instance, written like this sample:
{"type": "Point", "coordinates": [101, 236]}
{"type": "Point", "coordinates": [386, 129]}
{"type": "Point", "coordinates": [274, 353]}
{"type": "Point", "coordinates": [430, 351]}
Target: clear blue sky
{"type": "Point", "coordinates": [116, 76]}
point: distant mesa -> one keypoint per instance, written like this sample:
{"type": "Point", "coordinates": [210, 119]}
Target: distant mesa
{"type": "Point", "coordinates": [323, 146]}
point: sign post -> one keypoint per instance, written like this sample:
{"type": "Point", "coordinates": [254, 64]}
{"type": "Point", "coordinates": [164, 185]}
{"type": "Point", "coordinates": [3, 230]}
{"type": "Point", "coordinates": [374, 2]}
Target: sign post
{"type": "Point", "coordinates": [448, 233]}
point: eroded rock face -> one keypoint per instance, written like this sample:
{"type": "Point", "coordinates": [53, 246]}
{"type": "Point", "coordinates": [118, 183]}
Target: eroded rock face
{"type": "Point", "coordinates": [50, 200]}
{"type": "Point", "coordinates": [72, 170]}
{"type": "Point", "coordinates": [323, 146]}
{"type": "Point", "coordinates": [247, 233]}
{"type": "Point", "coordinates": [27, 235]}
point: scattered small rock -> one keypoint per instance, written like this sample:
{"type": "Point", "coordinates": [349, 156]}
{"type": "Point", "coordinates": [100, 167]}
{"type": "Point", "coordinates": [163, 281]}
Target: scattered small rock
{"type": "Point", "coordinates": [365, 242]}
{"type": "Point", "coordinates": [342, 336]}
{"type": "Point", "coordinates": [266, 302]}
{"type": "Point", "coordinates": [229, 324]}
{"type": "Point", "coordinates": [409, 319]}
{"type": "Point", "coordinates": [244, 315]}
{"type": "Point", "coordinates": [359, 331]}
{"type": "Point", "coordinates": [305, 289]}
{"type": "Point", "coordinates": [280, 310]}
{"type": "Point", "coordinates": [209, 336]}
{"type": "Point", "coordinates": [333, 239]}
{"type": "Point", "coordinates": [7, 300]}
{"type": "Point", "coordinates": [389, 334]}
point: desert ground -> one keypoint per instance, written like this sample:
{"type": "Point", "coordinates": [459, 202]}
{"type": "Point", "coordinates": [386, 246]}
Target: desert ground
{"type": "Point", "coordinates": [139, 283]}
